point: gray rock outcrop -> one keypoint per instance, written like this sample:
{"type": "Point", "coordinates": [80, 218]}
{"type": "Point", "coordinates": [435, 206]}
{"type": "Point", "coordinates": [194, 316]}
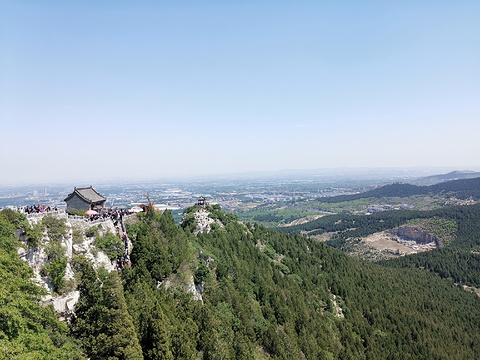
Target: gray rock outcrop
{"type": "Point", "coordinates": [37, 257]}
{"type": "Point", "coordinates": [413, 233]}
{"type": "Point", "coordinates": [204, 221]}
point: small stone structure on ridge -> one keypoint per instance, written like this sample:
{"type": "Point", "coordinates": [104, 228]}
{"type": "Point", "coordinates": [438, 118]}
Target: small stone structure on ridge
{"type": "Point", "coordinates": [202, 201]}
{"type": "Point", "coordinates": [85, 199]}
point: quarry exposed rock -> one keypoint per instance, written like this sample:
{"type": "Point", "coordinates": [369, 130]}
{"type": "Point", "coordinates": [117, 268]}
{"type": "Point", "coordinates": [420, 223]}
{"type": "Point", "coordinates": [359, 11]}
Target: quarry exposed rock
{"type": "Point", "coordinates": [413, 233]}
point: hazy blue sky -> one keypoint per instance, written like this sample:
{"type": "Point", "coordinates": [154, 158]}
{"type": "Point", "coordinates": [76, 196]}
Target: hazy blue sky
{"type": "Point", "coordinates": [95, 90]}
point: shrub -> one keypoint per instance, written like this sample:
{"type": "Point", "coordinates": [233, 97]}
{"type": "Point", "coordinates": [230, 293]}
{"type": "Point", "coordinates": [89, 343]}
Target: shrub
{"type": "Point", "coordinates": [35, 234]}
{"type": "Point", "coordinates": [189, 223]}
{"type": "Point", "coordinates": [111, 244]}
{"type": "Point", "coordinates": [77, 212]}
{"type": "Point", "coordinates": [15, 218]}
{"type": "Point", "coordinates": [201, 274]}
{"type": "Point", "coordinates": [282, 267]}
{"type": "Point", "coordinates": [54, 250]}
{"type": "Point", "coordinates": [91, 232]}
{"type": "Point", "coordinates": [56, 271]}
{"type": "Point", "coordinates": [56, 228]}
{"type": "Point", "coordinates": [77, 237]}
{"type": "Point", "coordinates": [270, 252]}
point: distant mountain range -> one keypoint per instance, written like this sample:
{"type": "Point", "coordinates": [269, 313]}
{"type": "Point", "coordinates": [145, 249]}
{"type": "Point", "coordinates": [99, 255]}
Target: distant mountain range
{"type": "Point", "coordinates": [462, 189]}
{"type": "Point", "coordinates": [454, 175]}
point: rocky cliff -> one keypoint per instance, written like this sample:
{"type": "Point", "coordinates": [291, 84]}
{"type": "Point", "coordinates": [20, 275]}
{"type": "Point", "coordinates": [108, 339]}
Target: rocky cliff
{"type": "Point", "coordinates": [78, 237]}
{"type": "Point", "coordinates": [204, 221]}
{"type": "Point", "coordinates": [74, 242]}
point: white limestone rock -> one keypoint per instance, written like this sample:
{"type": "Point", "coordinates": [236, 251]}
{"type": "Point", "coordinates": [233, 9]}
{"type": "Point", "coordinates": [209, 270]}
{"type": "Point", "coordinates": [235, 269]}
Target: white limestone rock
{"type": "Point", "coordinates": [37, 258]}
{"type": "Point", "coordinates": [191, 288]}
{"type": "Point", "coordinates": [64, 305]}
{"type": "Point", "coordinates": [204, 221]}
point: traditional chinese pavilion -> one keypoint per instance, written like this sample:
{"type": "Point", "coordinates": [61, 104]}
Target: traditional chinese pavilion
{"type": "Point", "coordinates": [85, 199]}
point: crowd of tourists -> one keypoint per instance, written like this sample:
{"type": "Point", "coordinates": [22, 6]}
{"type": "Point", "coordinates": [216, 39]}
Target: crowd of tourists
{"type": "Point", "coordinates": [36, 209]}
{"type": "Point", "coordinates": [122, 261]}
{"type": "Point", "coordinates": [114, 214]}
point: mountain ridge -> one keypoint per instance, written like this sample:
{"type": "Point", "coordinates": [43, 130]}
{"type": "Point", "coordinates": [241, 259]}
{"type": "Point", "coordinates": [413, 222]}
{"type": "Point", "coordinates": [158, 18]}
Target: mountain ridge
{"type": "Point", "coordinates": [453, 175]}
{"type": "Point", "coordinates": [462, 188]}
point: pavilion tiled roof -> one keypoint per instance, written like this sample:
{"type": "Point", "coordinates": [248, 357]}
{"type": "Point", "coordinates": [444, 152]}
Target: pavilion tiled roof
{"type": "Point", "coordinates": [88, 194]}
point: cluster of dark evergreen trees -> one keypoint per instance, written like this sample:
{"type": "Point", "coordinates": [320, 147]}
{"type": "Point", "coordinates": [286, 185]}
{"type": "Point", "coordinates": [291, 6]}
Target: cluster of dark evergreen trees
{"type": "Point", "coordinates": [265, 295]}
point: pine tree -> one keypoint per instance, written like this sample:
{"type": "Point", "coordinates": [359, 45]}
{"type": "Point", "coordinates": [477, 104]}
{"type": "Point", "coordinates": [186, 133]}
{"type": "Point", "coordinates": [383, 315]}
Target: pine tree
{"type": "Point", "coordinates": [102, 321]}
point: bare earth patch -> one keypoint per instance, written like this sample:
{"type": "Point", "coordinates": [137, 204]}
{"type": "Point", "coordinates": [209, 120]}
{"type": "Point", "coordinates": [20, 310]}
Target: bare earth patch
{"type": "Point", "coordinates": [323, 237]}
{"type": "Point", "coordinates": [471, 289]}
{"type": "Point", "coordinates": [303, 220]}
{"type": "Point", "coordinates": [385, 245]}
{"type": "Point", "coordinates": [383, 241]}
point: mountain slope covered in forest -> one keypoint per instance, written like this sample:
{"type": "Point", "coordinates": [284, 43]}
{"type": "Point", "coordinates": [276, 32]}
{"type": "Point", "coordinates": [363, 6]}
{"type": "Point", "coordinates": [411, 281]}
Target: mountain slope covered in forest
{"type": "Point", "coordinates": [284, 296]}
{"type": "Point", "coordinates": [458, 258]}
{"type": "Point", "coordinates": [463, 188]}
{"type": "Point", "coordinates": [264, 295]}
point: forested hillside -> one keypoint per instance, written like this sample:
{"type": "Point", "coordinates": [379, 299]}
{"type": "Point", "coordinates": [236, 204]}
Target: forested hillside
{"type": "Point", "coordinates": [267, 294]}
{"type": "Point", "coordinates": [360, 225]}
{"type": "Point", "coordinates": [459, 259]}
{"type": "Point", "coordinates": [462, 189]}
{"type": "Point", "coordinates": [263, 294]}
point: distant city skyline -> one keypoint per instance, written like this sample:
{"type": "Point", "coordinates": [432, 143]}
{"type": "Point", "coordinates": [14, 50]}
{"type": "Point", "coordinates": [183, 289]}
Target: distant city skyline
{"type": "Point", "coordinates": [101, 91]}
